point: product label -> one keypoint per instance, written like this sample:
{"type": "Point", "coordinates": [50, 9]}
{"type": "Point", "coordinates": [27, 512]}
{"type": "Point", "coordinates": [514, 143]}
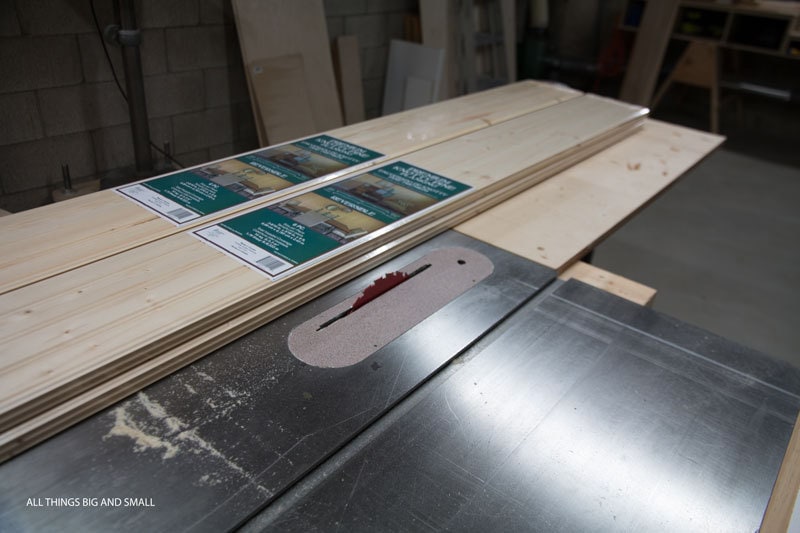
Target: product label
{"type": "Point", "coordinates": [281, 237]}
{"type": "Point", "coordinates": [189, 195]}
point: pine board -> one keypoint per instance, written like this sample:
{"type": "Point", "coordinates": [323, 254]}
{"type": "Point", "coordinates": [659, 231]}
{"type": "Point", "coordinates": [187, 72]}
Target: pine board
{"type": "Point", "coordinates": [782, 501]}
{"type": "Point", "coordinates": [347, 63]}
{"type": "Point", "coordinates": [281, 90]}
{"type": "Point", "coordinates": [560, 221]}
{"type": "Point", "coordinates": [92, 227]}
{"type": "Point", "coordinates": [67, 334]}
{"type": "Point", "coordinates": [277, 28]}
{"type": "Point", "coordinates": [102, 395]}
{"type": "Point", "coordinates": [651, 43]}
{"type": "Point", "coordinates": [610, 282]}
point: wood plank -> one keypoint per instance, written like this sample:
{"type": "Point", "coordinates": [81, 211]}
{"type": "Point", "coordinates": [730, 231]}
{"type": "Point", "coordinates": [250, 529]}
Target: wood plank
{"type": "Point", "coordinates": [278, 28]}
{"type": "Point", "coordinates": [648, 52]}
{"type": "Point", "coordinates": [92, 400]}
{"type": "Point", "coordinates": [609, 282]}
{"type": "Point", "coordinates": [508, 15]}
{"type": "Point", "coordinates": [347, 63]}
{"type": "Point", "coordinates": [31, 253]}
{"type": "Point", "coordinates": [784, 494]}
{"type": "Point", "coordinates": [67, 334]}
{"type": "Point", "coordinates": [438, 24]}
{"type": "Point", "coordinates": [282, 97]}
{"type": "Point", "coordinates": [561, 220]}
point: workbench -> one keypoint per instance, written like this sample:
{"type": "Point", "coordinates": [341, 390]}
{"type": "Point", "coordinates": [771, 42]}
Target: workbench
{"type": "Point", "coordinates": [526, 403]}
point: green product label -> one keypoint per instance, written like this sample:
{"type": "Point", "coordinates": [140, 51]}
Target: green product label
{"type": "Point", "coordinates": [306, 226]}
{"type": "Point", "coordinates": [224, 184]}
{"type": "Point", "coordinates": [194, 192]}
{"type": "Point", "coordinates": [280, 236]}
{"type": "Point", "coordinates": [420, 180]}
{"type": "Point", "coordinates": [344, 152]}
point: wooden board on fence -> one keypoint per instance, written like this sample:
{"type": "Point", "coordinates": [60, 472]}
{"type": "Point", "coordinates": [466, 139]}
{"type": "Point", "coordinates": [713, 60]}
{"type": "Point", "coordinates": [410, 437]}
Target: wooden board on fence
{"type": "Point", "coordinates": [102, 224]}
{"type": "Point", "coordinates": [558, 222]}
{"type": "Point", "coordinates": [648, 52]}
{"type": "Point", "coordinates": [70, 333]}
{"type": "Point", "coordinates": [278, 28]}
{"type": "Point", "coordinates": [347, 63]}
{"type": "Point", "coordinates": [610, 282]}
{"type": "Point", "coordinates": [282, 97]}
{"type": "Point", "coordinates": [438, 24]}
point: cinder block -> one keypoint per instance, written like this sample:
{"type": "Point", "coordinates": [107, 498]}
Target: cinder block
{"type": "Point", "coordinates": [244, 133]}
{"type": "Point", "coordinates": [24, 200]}
{"type": "Point", "coordinates": [160, 14]}
{"type": "Point", "coordinates": [172, 94]}
{"type": "Point", "coordinates": [113, 147]}
{"type": "Point", "coordinates": [81, 108]}
{"type": "Point", "coordinates": [370, 29]}
{"type": "Point", "coordinates": [335, 27]}
{"type": "Point", "coordinates": [222, 151]}
{"type": "Point", "coordinates": [95, 64]}
{"type": "Point", "coordinates": [19, 115]}
{"type": "Point", "coordinates": [190, 159]}
{"type": "Point", "coordinates": [28, 63]}
{"type": "Point", "coordinates": [373, 62]}
{"type": "Point", "coordinates": [201, 47]}
{"type": "Point", "coordinates": [197, 131]}
{"type": "Point", "coordinates": [216, 12]}
{"type": "Point", "coordinates": [394, 25]}
{"type": "Point", "coordinates": [38, 163]}
{"type": "Point", "coordinates": [386, 6]}
{"type": "Point", "coordinates": [373, 97]}
{"type": "Point", "coordinates": [334, 8]}
{"type": "Point", "coordinates": [9, 22]}
{"type": "Point", "coordinates": [225, 86]}
{"type": "Point", "coordinates": [61, 17]}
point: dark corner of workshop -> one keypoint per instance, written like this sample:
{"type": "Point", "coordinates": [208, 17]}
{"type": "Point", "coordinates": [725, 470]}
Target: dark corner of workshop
{"type": "Point", "coordinates": [399, 265]}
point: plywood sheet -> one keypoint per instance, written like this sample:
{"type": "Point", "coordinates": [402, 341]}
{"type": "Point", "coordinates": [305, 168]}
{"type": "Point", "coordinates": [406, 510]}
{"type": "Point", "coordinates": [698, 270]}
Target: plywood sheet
{"type": "Point", "coordinates": [561, 220]}
{"type": "Point", "coordinates": [279, 28]}
{"type": "Point", "coordinates": [347, 62]}
{"type": "Point", "coordinates": [95, 226]}
{"type": "Point", "coordinates": [281, 91]}
{"type": "Point", "coordinates": [65, 335]}
{"type": "Point", "coordinates": [648, 52]}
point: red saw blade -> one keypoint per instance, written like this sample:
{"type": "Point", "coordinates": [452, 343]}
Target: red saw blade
{"type": "Point", "coordinates": [378, 287]}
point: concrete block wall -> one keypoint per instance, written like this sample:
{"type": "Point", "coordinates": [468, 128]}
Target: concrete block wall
{"type": "Point", "coordinates": [375, 23]}
{"type": "Point", "coordinates": [59, 103]}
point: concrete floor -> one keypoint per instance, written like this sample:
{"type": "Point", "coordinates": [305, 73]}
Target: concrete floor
{"type": "Point", "coordinates": [722, 247]}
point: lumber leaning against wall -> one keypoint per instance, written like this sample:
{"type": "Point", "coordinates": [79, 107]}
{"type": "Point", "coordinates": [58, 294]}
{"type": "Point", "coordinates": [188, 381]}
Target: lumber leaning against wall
{"type": "Point", "coordinates": [66, 334]}
{"type": "Point", "coordinates": [56, 238]}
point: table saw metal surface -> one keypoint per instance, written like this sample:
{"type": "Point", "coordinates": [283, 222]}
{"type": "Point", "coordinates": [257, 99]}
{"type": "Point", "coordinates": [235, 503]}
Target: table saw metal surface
{"type": "Point", "coordinates": [215, 442]}
{"type": "Point", "coordinates": [579, 411]}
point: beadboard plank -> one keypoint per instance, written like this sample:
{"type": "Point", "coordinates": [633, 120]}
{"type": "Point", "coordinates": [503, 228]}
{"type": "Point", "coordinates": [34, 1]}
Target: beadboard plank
{"type": "Point", "coordinates": [67, 334]}
{"type": "Point", "coordinates": [52, 239]}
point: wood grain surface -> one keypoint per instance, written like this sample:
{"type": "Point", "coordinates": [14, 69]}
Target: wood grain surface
{"type": "Point", "coordinates": [560, 221]}
{"type": "Point", "coordinates": [65, 335]}
{"type": "Point", "coordinates": [49, 240]}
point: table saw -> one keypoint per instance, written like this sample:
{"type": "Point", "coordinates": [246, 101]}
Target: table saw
{"type": "Point", "coordinates": [485, 394]}
{"type": "Point", "coordinates": [522, 403]}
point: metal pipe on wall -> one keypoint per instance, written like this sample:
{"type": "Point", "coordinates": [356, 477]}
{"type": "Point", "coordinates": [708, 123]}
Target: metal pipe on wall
{"type": "Point", "coordinates": [130, 38]}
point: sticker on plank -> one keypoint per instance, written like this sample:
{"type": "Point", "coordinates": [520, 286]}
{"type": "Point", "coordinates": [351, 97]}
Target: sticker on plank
{"type": "Point", "coordinates": [189, 195]}
{"type": "Point", "coordinates": [285, 236]}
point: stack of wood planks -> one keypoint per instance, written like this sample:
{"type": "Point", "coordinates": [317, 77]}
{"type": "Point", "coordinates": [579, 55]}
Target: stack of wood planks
{"type": "Point", "coordinates": [99, 225]}
{"type": "Point", "coordinates": [101, 297]}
